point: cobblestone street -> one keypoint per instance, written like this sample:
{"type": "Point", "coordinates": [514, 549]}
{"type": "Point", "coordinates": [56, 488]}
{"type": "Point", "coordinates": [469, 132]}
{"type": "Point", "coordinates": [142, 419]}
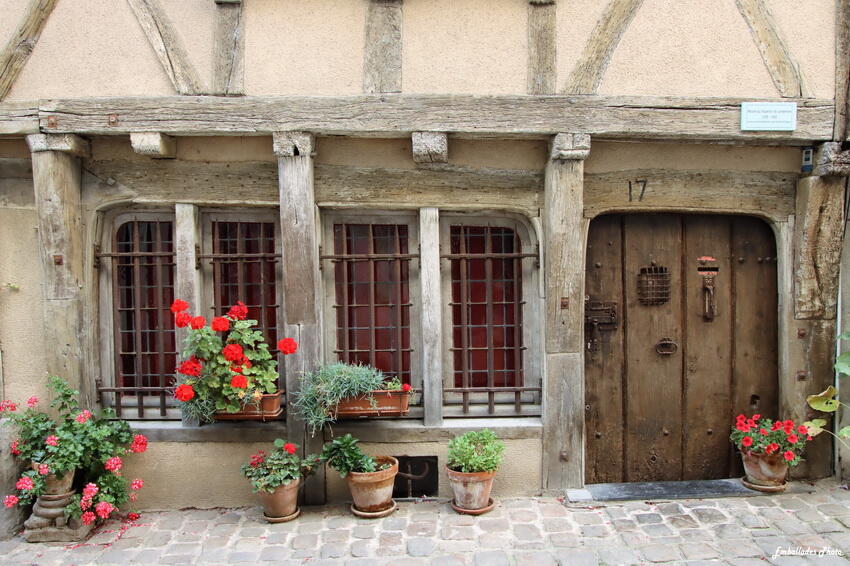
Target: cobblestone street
{"type": "Point", "coordinates": [536, 531]}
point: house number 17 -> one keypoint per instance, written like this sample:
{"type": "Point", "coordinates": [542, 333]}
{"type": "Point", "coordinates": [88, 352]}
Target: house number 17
{"type": "Point", "coordinates": [633, 189]}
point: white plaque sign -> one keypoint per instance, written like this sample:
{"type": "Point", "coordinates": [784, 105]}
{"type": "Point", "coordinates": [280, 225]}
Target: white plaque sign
{"type": "Point", "coordinates": [769, 116]}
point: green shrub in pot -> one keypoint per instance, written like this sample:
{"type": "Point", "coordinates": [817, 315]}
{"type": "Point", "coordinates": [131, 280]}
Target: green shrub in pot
{"type": "Point", "coordinates": [475, 451]}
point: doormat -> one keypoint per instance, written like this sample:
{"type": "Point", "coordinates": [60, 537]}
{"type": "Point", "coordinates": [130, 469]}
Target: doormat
{"type": "Point", "coordinates": [694, 489]}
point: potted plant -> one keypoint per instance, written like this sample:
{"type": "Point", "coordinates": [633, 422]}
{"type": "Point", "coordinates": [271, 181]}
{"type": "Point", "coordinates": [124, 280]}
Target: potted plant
{"type": "Point", "coordinates": [768, 448]}
{"type": "Point", "coordinates": [74, 461]}
{"type": "Point", "coordinates": [275, 477]}
{"type": "Point", "coordinates": [369, 479]}
{"type": "Point", "coordinates": [473, 460]}
{"type": "Point", "coordinates": [827, 401]}
{"type": "Point", "coordinates": [340, 390]}
{"type": "Point", "coordinates": [227, 372]}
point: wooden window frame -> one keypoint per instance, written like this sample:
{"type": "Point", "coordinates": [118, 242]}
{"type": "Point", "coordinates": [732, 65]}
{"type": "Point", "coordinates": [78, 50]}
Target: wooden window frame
{"type": "Point", "coordinates": [407, 218]}
{"type": "Point", "coordinates": [112, 221]}
{"type": "Point", "coordinates": [532, 312]}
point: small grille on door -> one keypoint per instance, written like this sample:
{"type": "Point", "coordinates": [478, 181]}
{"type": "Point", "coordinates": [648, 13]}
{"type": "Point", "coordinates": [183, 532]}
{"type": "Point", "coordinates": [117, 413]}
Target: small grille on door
{"type": "Point", "coordinates": [418, 476]}
{"type": "Point", "coordinates": [653, 285]}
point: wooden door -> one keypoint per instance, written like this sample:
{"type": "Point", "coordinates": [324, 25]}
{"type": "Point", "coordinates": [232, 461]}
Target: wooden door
{"type": "Point", "coordinates": [681, 335]}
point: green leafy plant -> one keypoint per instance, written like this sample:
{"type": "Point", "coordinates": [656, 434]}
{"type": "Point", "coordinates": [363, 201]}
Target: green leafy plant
{"type": "Point", "coordinates": [343, 455]}
{"type": "Point", "coordinates": [827, 401]}
{"type": "Point", "coordinates": [226, 365]}
{"type": "Point", "coordinates": [282, 465]}
{"type": "Point", "coordinates": [67, 439]}
{"type": "Point", "coordinates": [475, 451]}
{"type": "Point", "coordinates": [765, 436]}
{"type": "Point", "coordinates": [323, 389]}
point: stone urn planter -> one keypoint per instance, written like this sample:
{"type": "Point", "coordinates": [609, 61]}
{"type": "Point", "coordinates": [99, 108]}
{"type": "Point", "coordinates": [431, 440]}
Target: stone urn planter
{"type": "Point", "coordinates": [764, 472]}
{"type": "Point", "coordinates": [372, 492]}
{"type": "Point", "coordinates": [281, 505]}
{"type": "Point", "coordinates": [47, 522]}
{"type": "Point", "coordinates": [471, 491]}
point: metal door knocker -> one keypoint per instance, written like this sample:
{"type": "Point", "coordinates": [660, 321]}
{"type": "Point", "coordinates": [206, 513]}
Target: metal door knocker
{"type": "Point", "coordinates": [666, 347]}
{"type": "Point", "coordinates": [708, 270]}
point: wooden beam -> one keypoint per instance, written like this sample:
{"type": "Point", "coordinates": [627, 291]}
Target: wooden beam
{"type": "Point", "coordinates": [187, 278]}
{"type": "Point", "coordinates": [432, 304]}
{"type": "Point", "coordinates": [382, 50]}
{"type": "Point", "coordinates": [397, 115]}
{"type": "Point", "coordinates": [780, 63]}
{"type": "Point", "coordinates": [819, 231]}
{"type": "Point", "coordinates": [229, 49]}
{"type": "Point", "coordinates": [165, 43]}
{"type": "Point", "coordinates": [842, 69]}
{"type": "Point", "coordinates": [430, 147]}
{"type": "Point", "coordinates": [831, 160]}
{"type": "Point", "coordinates": [587, 74]}
{"type": "Point", "coordinates": [19, 47]}
{"type": "Point", "coordinates": [563, 391]}
{"type": "Point", "coordinates": [66, 143]}
{"type": "Point", "coordinates": [18, 118]}
{"type": "Point", "coordinates": [570, 146]}
{"type": "Point", "coordinates": [300, 294]}
{"type": "Point", "coordinates": [154, 144]}
{"type": "Point", "coordinates": [542, 47]}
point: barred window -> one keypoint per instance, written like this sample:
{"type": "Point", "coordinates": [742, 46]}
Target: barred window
{"type": "Point", "coordinates": [371, 270]}
{"type": "Point", "coordinates": [142, 274]}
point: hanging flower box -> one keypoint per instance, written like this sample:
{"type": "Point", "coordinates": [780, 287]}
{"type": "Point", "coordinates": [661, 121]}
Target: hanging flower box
{"type": "Point", "coordinates": [377, 403]}
{"type": "Point", "coordinates": [269, 408]}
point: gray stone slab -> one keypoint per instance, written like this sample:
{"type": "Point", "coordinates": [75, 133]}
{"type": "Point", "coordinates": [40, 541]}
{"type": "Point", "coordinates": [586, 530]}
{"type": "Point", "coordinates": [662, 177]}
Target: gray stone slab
{"type": "Point", "coordinates": [694, 489]}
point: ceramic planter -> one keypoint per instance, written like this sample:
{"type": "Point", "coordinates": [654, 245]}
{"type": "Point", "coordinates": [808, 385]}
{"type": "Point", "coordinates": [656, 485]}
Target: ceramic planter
{"type": "Point", "coordinates": [268, 408]}
{"type": "Point", "coordinates": [471, 491]}
{"type": "Point", "coordinates": [281, 505]}
{"type": "Point", "coordinates": [372, 492]}
{"type": "Point", "coordinates": [387, 403]}
{"type": "Point", "coordinates": [764, 472]}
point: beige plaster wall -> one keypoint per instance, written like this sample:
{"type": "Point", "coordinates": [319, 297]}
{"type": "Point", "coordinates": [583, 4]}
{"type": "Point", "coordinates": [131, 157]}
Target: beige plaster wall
{"type": "Point", "coordinates": [13, 12]}
{"type": "Point", "coordinates": [194, 21]}
{"type": "Point", "coordinates": [91, 48]}
{"type": "Point", "coordinates": [468, 46]}
{"type": "Point", "coordinates": [304, 47]}
{"type": "Point", "coordinates": [809, 31]}
{"type": "Point", "coordinates": [518, 475]}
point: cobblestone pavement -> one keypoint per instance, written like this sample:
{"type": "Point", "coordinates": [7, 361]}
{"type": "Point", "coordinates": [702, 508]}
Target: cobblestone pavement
{"type": "Point", "coordinates": [534, 531]}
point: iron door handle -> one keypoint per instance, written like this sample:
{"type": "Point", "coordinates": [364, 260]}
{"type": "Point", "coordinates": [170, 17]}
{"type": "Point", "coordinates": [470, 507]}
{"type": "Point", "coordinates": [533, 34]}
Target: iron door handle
{"type": "Point", "coordinates": [666, 347]}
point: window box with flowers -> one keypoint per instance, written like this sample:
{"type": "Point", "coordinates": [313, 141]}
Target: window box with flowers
{"type": "Point", "coordinates": [74, 460]}
{"type": "Point", "coordinates": [227, 372]}
{"type": "Point", "coordinates": [768, 448]}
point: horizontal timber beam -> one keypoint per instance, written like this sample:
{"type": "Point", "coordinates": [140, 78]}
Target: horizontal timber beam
{"type": "Point", "coordinates": [609, 117]}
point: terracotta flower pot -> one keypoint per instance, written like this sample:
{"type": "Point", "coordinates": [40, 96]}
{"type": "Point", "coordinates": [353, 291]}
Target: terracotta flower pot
{"type": "Point", "coordinates": [268, 408]}
{"type": "Point", "coordinates": [54, 485]}
{"type": "Point", "coordinates": [471, 490]}
{"type": "Point", "coordinates": [764, 472]}
{"type": "Point", "coordinates": [281, 504]}
{"type": "Point", "coordinates": [373, 491]}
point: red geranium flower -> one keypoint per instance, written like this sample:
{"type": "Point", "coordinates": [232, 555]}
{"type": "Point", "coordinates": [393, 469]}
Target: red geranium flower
{"type": "Point", "coordinates": [405, 387]}
{"type": "Point", "coordinates": [198, 322]}
{"type": "Point", "coordinates": [233, 352]}
{"type": "Point", "coordinates": [747, 441]}
{"type": "Point", "coordinates": [182, 319]}
{"type": "Point", "coordinates": [192, 367]}
{"type": "Point", "coordinates": [792, 438]}
{"type": "Point", "coordinates": [104, 509]}
{"type": "Point", "coordinates": [90, 490]}
{"type": "Point", "coordinates": [133, 516]}
{"type": "Point", "coordinates": [184, 392]}
{"type": "Point", "coordinates": [14, 448]}
{"type": "Point", "coordinates": [179, 305]}
{"type": "Point", "coordinates": [239, 381]}
{"type": "Point", "coordinates": [88, 518]}
{"type": "Point", "coordinates": [764, 432]}
{"type": "Point", "coordinates": [140, 444]}
{"type": "Point", "coordinates": [238, 311]}
{"type": "Point", "coordinates": [137, 484]}
{"type": "Point", "coordinates": [756, 417]}
{"type": "Point", "coordinates": [258, 458]}
{"type": "Point", "coordinates": [11, 500]}
{"type": "Point", "coordinates": [113, 464]}
{"type": "Point", "coordinates": [788, 455]}
{"type": "Point", "coordinates": [290, 448]}
{"type": "Point", "coordinates": [771, 448]}
{"type": "Point", "coordinates": [220, 324]}
{"type": "Point", "coordinates": [51, 440]}
{"type": "Point", "coordinates": [43, 469]}
{"type": "Point", "coordinates": [287, 346]}
{"type": "Point", "coordinates": [25, 484]}
{"type": "Point", "coordinates": [802, 430]}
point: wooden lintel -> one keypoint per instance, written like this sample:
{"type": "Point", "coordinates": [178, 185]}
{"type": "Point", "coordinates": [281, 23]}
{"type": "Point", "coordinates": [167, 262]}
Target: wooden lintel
{"type": "Point", "coordinates": [165, 43]}
{"type": "Point", "coordinates": [66, 143]}
{"type": "Point", "coordinates": [382, 48]}
{"type": "Point", "coordinates": [394, 115]}
{"type": "Point", "coordinates": [19, 47]}
{"type": "Point", "coordinates": [154, 144]}
{"type": "Point", "coordinates": [587, 74]}
{"type": "Point", "coordinates": [570, 146]}
{"type": "Point", "coordinates": [430, 147]}
{"type": "Point", "coordinates": [18, 118]}
{"type": "Point", "coordinates": [293, 144]}
{"type": "Point", "coordinates": [831, 160]}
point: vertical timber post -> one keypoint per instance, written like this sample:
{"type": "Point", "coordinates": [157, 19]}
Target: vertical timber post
{"type": "Point", "coordinates": [563, 389]}
{"type": "Point", "coordinates": [57, 175]}
{"type": "Point", "coordinates": [301, 283]}
{"type": "Point", "coordinates": [432, 335]}
{"type": "Point", "coordinates": [187, 279]}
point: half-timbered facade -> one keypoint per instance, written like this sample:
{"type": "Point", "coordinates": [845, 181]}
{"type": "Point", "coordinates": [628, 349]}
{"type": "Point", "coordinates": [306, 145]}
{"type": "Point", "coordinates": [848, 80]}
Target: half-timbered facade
{"type": "Point", "coordinates": [545, 216]}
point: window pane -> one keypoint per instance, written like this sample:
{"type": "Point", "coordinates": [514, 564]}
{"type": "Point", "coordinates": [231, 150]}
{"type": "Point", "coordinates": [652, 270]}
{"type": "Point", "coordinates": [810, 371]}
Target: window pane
{"type": "Point", "coordinates": [372, 296]}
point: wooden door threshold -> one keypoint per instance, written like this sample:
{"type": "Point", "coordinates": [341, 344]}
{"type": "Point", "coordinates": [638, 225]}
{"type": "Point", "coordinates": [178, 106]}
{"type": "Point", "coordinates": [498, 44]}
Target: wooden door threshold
{"type": "Point", "coordinates": [663, 490]}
